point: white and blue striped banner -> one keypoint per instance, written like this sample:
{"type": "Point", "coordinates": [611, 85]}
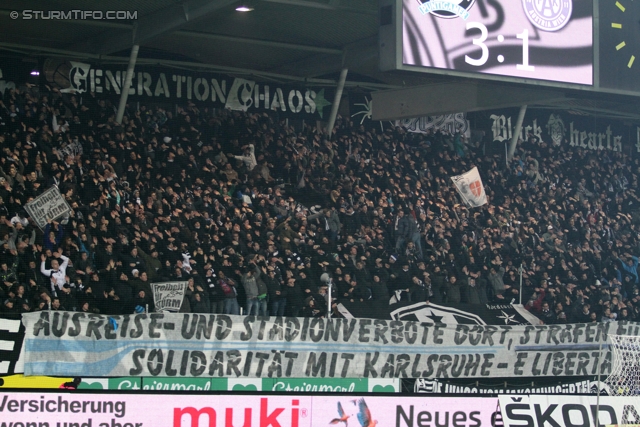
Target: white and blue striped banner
{"type": "Point", "coordinates": [195, 345]}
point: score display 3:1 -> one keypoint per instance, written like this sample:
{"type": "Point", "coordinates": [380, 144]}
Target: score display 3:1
{"type": "Point", "coordinates": [484, 56]}
{"type": "Point", "coordinates": [548, 40]}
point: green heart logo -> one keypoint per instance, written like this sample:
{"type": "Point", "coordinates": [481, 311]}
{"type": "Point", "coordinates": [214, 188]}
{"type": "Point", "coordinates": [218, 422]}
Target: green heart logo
{"type": "Point", "coordinates": [97, 385]}
{"type": "Point", "coordinates": [248, 387]}
{"type": "Point", "coordinates": [383, 389]}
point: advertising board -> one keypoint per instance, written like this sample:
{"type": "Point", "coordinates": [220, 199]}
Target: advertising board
{"type": "Point", "coordinates": [283, 385]}
{"type": "Point", "coordinates": [163, 410]}
{"type": "Point", "coordinates": [569, 411]}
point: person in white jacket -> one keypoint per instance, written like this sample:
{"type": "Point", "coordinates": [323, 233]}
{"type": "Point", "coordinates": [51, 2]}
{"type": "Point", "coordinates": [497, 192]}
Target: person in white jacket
{"type": "Point", "coordinates": [57, 272]}
{"type": "Point", "coordinates": [249, 157]}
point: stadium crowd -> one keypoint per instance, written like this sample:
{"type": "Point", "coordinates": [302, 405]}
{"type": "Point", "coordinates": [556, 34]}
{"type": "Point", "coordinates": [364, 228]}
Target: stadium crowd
{"type": "Point", "coordinates": [256, 214]}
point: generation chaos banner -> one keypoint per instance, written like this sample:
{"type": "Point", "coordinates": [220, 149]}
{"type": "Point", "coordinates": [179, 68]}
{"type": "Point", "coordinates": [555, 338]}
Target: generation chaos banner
{"type": "Point", "coordinates": [206, 89]}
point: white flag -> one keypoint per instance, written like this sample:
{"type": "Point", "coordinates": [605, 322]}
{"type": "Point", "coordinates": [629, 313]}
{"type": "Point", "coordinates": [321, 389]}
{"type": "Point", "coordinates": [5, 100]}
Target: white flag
{"type": "Point", "coordinates": [49, 205]}
{"type": "Point", "coordinates": [470, 188]}
{"type": "Point", "coordinates": [168, 296]}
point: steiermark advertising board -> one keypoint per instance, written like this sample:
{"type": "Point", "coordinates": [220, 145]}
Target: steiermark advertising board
{"type": "Point", "coordinates": [293, 385]}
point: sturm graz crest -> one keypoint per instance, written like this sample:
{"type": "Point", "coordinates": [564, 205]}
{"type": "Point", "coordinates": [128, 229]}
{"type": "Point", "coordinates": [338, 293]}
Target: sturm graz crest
{"type": "Point", "coordinates": [446, 8]}
{"type": "Point", "coordinates": [436, 314]}
{"type": "Point", "coordinates": [463, 314]}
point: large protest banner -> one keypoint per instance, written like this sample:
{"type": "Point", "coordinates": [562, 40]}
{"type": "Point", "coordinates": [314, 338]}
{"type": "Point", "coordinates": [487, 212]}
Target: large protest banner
{"type": "Point", "coordinates": [12, 332]}
{"type": "Point", "coordinates": [543, 410]}
{"type": "Point", "coordinates": [168, 296]}
{"type": "Point", "coordinates": [47, 206]}
{"type": "Point", "coordinates": [194, 345]}
{"type": "Point", "coordinates": [11, 342]}
{"type": "Point", "coordinates": [167, 410]}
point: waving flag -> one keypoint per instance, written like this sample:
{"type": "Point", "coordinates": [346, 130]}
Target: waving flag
{"type": "Point", "coordinates": [470, 188]}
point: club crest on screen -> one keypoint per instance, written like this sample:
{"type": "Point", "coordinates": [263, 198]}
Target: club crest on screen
{"type": "Point", "coordinates": [548, 15]}
{"type": "Point", "coordinates": [446, 8]}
